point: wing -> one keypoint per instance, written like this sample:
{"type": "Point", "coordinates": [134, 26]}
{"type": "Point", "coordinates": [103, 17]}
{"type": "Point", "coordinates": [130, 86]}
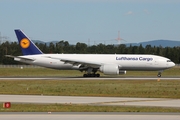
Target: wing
{"type": "Point", "coordinates": [81, 63]}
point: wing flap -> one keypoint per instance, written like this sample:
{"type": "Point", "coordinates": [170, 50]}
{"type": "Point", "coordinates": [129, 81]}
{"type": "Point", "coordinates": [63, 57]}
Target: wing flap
{"type": "Point", "coordinates": [82, 63]}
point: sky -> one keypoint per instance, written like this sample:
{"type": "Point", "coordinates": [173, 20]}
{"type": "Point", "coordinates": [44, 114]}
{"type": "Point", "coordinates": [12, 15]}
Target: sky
{"type": "Point", "coordinates": [91, 21]}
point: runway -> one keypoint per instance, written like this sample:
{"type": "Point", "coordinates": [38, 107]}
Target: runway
{"type": "Point", "coordinates": [88, 78]}
{"type": "Point", "coordinates": [90, 116]}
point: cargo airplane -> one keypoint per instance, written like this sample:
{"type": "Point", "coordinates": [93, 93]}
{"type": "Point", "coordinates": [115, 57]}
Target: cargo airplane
{"type": "Point", "coordinates": [109, 64]}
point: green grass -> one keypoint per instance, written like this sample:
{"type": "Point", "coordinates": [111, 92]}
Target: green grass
{"type": "Point", "coordinates": [114, 88]}
{"type": "Point", "coordinates": [27, 72]}
{"type": "Point", "coordinates": [82, 108]}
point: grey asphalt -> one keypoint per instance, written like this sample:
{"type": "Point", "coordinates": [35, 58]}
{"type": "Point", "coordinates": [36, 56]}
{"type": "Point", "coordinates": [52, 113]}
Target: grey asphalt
{"type": "Point", "coordinates": [89, 116]}
{"type": "Point", "coordinates": [126, 101]}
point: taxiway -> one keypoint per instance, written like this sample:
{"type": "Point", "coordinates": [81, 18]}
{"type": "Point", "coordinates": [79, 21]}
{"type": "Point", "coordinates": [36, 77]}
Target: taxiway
{"type": "Point", "coordinates": [90, 116]}
{"type": "Point", "coordinates": [100, 101]}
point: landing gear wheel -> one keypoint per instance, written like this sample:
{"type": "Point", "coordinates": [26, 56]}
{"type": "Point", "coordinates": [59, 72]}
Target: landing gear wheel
{"type": "Point", "coordinates": [85, 75]}
{"type": "Point", "coordinates": [97, 75]}
{"type": "Point", "coordinates": [159, 75]}
{"type": "Point", "coordinates": [91, 75]}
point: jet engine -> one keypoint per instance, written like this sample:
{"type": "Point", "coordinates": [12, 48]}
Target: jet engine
{"type": "Point", "coordinates": [122, 72]}
{"type": "Point", "coordinates": [111, 69]}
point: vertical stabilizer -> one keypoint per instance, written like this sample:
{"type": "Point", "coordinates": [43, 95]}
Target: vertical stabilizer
{"type": "Point", "coordinates": [27, 46]}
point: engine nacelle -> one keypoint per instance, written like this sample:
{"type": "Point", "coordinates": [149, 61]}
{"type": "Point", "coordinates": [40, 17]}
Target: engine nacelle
{"type": "Point", "coordinates": [122, 72]}
{"type": "Point", "coordinates": [111, 69]}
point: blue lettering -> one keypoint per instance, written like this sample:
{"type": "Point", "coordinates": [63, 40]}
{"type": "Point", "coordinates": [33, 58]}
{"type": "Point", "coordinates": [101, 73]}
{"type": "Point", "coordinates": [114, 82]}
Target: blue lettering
{"type": "Point", "coordinates": [126, 58]}
{"type": "Point", "coordinates": [134, 58]}
{"type": "Point", "coordinates": [145, 59]}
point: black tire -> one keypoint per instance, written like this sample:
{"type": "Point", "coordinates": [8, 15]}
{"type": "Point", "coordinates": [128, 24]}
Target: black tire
{"type": "Point", "coordinates": [85, 75]}
{"type": "Point", "coordinates": [159, 75]}
{"type": "Point", "coordinates": [97, 75]}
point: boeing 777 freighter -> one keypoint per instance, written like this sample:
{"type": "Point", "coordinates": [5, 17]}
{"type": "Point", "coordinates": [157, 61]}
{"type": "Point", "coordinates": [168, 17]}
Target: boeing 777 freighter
{"type": "Point", "coordinates": [109, 64]}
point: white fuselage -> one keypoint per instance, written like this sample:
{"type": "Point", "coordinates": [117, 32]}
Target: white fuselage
{"type": "Point", "coordinates": [124, 61]}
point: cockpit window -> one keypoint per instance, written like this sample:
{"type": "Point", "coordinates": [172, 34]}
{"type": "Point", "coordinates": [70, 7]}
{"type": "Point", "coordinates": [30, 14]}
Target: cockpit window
{"type": "Point", "coordinates": [169, 61]}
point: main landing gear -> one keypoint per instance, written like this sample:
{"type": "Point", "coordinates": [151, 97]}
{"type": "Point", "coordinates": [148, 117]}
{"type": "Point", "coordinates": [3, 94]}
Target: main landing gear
{"type": "Point", "coordinates": [91, 72]}
{"type": "Point", "coordinates": [91, 75]}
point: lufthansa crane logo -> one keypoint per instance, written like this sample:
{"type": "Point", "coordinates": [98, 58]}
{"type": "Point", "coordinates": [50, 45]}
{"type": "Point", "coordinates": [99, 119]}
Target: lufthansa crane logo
{"type": "Point", "coordinates": [25, 43]}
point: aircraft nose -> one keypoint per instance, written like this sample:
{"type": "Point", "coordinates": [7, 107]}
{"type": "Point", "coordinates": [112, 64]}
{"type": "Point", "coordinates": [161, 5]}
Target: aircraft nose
{"type": "Point", "coordinates": [173, 64]}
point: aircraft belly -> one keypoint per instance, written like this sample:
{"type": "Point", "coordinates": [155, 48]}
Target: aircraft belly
{"type": "Point", "coordinates": [147, 66]}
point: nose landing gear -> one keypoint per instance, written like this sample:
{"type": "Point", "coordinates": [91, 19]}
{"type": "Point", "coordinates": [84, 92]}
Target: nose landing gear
{"type": "Point", "coordinates": [159, 73]}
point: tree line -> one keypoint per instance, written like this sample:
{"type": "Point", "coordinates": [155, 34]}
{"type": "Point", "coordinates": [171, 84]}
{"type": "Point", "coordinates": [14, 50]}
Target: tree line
{"type": "Point", "coordinates": [13, 48]}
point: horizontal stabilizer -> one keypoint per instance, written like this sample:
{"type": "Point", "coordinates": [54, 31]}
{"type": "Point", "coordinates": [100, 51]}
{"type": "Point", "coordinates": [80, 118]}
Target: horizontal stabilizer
{"type": "Point", "coordinates": [19, 57]}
